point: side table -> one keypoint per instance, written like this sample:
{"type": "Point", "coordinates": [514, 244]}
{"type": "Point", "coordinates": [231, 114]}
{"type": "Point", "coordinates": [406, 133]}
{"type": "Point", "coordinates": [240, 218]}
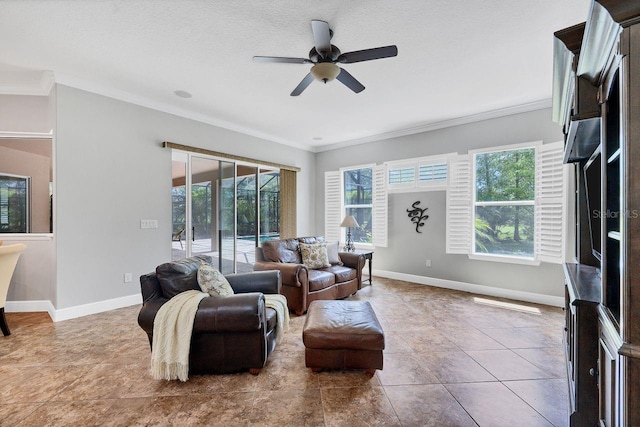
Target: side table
{"type": "Point", "coordinates": [368, 255]}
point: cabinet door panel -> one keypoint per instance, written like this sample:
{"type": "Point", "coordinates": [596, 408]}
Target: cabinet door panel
{"type": "Point", "coordinates": [608, 385]}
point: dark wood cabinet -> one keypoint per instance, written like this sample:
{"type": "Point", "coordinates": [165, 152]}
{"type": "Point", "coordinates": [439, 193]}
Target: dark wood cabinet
{"type": "Point", "coordinates": [597, 101]}
{"type": "Point", "coordinates": [582, 297]}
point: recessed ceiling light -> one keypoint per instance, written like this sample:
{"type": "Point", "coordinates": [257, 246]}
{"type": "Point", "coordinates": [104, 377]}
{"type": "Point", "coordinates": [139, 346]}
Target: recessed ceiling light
{"type": "Point", "coordinates": [182, 93]}
{"type": "Point", "coordinates": [317, 138]}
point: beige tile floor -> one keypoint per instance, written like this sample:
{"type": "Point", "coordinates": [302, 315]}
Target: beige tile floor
{"type": "Point", "coordinates": [449, 361]}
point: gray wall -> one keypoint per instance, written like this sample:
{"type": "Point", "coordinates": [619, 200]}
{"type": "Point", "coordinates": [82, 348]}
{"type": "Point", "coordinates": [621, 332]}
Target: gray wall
{"type": "Point", "coordinates": [407, 250]}
{"type": "Point", "coordinates": [34, 114]}
{"type": "Point", "coordinates": [112, 172]}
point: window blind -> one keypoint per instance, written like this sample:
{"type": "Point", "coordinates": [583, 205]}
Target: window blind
{"type": "Point", "coordinates": [550, 203]}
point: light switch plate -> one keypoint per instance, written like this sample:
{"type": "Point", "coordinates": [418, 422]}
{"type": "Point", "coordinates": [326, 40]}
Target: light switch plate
{"type": "Point", "coordinates": [148, 223]}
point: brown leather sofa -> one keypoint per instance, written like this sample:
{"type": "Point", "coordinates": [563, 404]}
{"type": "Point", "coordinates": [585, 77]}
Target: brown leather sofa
{"type": "Point", "coordinates": [302, 285]}
{"type": "Point", "coordinates": [231, 333]}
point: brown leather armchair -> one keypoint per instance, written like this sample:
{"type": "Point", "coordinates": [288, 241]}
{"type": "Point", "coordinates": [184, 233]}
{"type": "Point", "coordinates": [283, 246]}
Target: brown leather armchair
{"type": "Point", "coordinates": [231, 333]}
{"type": "Point", "coordinates": [302, 285]}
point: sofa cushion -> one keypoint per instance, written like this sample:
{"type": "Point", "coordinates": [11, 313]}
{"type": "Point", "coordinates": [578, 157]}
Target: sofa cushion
{"type": "Point", "coordinates": [333, 254]}
{"type": "Point", "coordinates": [314, 255]}
{"type": "Point", "coordinates": [179, 276]}
{"type": "Point", "coordinates": [319, 279]}
{"type": "Point", "coordinates": [285, 250]}
{"type": "Point", "coordinates": [311, 239]}
{"type": "Point", "coordinates": [342, 274]}
{"type": "Point", "coordinates": [213, 282]}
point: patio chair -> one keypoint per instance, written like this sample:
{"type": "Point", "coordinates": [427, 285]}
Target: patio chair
{"type": "Point", "coordinates": [178, 236]}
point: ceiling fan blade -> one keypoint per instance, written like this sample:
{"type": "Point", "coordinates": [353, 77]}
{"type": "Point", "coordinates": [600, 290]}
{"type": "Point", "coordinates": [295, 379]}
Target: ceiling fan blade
{"type": "Point", "coordinates": [321, 37]}
{"type": "Point", "coordinates": [281, 60]}
{"type": "Point", "coordinates": [349, 81]}
{"type": "Point", "coordinates": [368, 54]}
{"type": "Point", "coordinates": [302, 85]}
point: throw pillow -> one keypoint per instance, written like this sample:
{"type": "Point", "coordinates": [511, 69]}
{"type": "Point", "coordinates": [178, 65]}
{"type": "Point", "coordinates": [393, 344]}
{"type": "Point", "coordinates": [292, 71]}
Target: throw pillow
{"type": "Point", "coordinates": [314, 255]}
{"type": "Point", "coordinates": [332, 253]}
{"type": "Point", "coordinates": [213, 282]}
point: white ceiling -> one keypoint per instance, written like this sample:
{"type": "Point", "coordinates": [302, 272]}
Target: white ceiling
{"type": "Point", "coordinates": [457, 59]}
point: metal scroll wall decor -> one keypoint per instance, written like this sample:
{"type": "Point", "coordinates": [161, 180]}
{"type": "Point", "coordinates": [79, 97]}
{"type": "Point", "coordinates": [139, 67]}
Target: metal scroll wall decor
{"type": "Point", "coordinates": [417, 215]}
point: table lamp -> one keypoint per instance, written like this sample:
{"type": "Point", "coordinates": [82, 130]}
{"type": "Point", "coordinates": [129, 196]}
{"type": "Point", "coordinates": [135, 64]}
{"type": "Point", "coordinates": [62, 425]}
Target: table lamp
{"type": "Point", "coordinates": [349, 221]}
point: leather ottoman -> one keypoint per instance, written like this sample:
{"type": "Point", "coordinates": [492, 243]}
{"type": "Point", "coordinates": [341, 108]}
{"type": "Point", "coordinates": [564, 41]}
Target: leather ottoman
{"type": "Point", "coordinates": [342, 335]}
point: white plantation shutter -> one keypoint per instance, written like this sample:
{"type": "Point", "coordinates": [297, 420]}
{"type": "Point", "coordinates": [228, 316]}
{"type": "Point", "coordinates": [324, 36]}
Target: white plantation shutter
{"type": "Point", "coordinates": [332, 205]}
{"type": "Point", "coordinates": [459, 213]}
{"type": "Point", "coordinates": [380, 209]}
{"type": "Point", "coordinates": [549, 205]}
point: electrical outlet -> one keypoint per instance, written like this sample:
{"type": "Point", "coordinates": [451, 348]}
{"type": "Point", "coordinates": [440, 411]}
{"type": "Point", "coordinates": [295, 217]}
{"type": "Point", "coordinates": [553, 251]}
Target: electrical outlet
{"type": "Point", "coordinates": [428, 263]}
{"type": "Point", "coordinates": [128, 278]}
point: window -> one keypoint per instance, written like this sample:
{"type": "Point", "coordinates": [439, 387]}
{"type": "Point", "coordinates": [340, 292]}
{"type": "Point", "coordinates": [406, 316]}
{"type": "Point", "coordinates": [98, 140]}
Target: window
{"type": "Point", "coordinates": [504, 202]}
{"type": "Point", "coordinates": [436, 172]}
{"type": "Point", "coordinates": [508, 204]}
{"type": "Point", "coordinates": [14, 203]}
{"type": "Point", "coordinates": [402, 175]}
{"type": "Point", "coordinates": [420, 174]}
{"type": "Point", "coordinates": [358, 201]}
{"type": "Point", "coordinates": [359, 191]}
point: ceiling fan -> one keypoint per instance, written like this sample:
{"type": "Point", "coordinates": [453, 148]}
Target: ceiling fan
{"type": "Point", "coordinates": [325, 56]}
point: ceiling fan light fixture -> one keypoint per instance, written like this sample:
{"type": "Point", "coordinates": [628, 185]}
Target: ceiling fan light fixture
{"type": "Point", "coordinates": [325, 71]}
{"type": "Point", "coordinates": [324, 56]}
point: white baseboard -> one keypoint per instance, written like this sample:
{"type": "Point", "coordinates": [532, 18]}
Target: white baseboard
{"type": "Point", "coordinates": [96, 307]}
{"type": "Point", "coordinates": [473, 288]}
{"type": "Point", "coordinates": [73, 312]}
{"type": "Point", "coordinates": [127, 301]}
{"type": "Point", "coordinates": [30, 306]}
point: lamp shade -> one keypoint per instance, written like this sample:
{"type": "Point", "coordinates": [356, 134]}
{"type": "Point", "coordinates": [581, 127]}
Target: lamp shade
{"type": "Point", "coordinates": [349, 221]}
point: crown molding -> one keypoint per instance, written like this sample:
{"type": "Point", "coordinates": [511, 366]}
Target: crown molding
{"type": "Point", "coordinates": [171, 109]}
{"type": "Point", "coordinates": [180, 112]}
{"type": "Point", "coordinates": [47, 80]}
{"type": "Point", "coordinates": [427, 127]}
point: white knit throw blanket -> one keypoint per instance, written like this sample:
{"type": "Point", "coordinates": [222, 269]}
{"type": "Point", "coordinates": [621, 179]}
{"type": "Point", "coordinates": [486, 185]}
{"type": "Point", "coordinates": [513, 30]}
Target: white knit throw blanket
{"type": "Point", "coordinates": [279, 304]}
{"type": "Point", "coordinates": [172, 329]}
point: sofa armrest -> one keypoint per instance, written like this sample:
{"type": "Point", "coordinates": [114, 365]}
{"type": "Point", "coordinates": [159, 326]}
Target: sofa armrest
{"type": "Point", "coordinates": [267, 282]}
{"type": "Point", "coordinates": [233, 313]}
{"type": "Point", "coordinates": [292, 274]}
{"type": "Point", "coordinates": [352, 260]}
{"type": "Point", "coordinates": [148, 314]}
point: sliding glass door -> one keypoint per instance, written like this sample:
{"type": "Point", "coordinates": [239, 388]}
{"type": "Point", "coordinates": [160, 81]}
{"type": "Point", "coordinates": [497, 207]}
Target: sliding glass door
{"type": "Point", "coordinates": [222, 209]}
{"type": "Point", "coordinates": [227, 216]}
{"type": "Point", "coordinates": [258, 204]}
{"type": "Point", "coordinates": [179, 244]}
{"type": "Point", "coordinates": [204, 176]}
{"type": "Point", "coordinates": [203, 209]}
{"type": "Point", "coordinates": [247, 216]}
{"type": "Point", "coordinates": [269, 203]}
